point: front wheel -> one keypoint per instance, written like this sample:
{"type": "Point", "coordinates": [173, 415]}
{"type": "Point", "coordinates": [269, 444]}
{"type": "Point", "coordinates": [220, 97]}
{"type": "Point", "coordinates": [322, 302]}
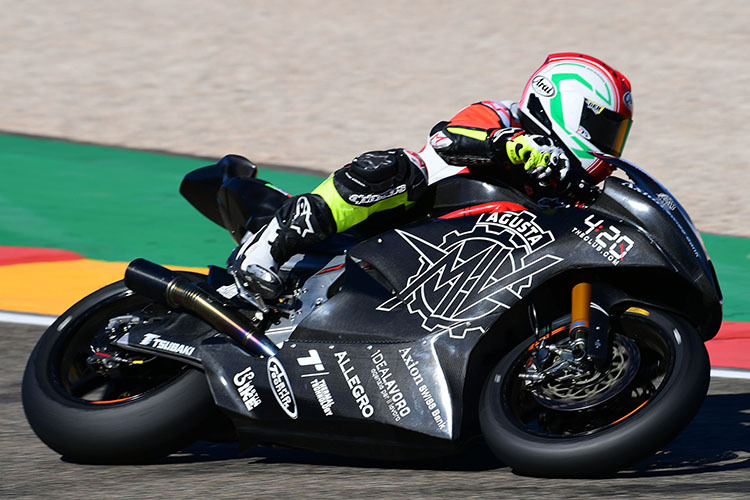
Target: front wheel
{"type": "Point", "coordinates": [569, 422]}
{"type": "Point", "coordinates": [138, 409]}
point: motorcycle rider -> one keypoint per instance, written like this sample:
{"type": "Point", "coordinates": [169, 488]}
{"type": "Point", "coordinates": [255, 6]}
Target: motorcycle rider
{"type": "Point", "coordinates": [571, 106]}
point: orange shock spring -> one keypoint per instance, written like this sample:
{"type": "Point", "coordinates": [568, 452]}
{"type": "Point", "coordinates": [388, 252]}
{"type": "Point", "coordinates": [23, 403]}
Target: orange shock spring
{"type": "Point", "coordinates": [580, 316]}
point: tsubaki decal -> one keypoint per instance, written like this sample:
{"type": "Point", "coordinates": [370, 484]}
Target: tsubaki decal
{"type": "Point", "coordinates": [155, 341]}
{"type": "Point", "coordinates": [471, 274]}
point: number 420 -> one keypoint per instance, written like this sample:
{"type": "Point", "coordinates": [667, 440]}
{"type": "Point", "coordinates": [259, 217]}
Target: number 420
{"type": "Point", "coordinates": [619, 244]}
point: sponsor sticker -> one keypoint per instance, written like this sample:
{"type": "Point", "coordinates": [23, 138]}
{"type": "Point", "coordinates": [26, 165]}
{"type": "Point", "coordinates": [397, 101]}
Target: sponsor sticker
{"type": "Point", "coordinates": [583, 133]}
{"type": "Point", "coordinates": [313, 362]}
{"type": "Point", "coordinates": [608, 242]}
{"type": "Point", "coordinates": [228, 291]}
{"type": "Point", "coordinates": [388, 387]}
{"type": "Point", "coordinates": [155, 341]}
{"type": "Point", "coordinates": [413, 366]}
{"type": "Point", "coordinates": [323, 394]}
{"type": "Point", "coordinates": [281, 387]}
{"type": "Point", "coordinates": [243, 382]}
{"type": "Point", "coordinates": [594, 106]}
{"type": "Point", "coordinates": [543, 86]}
{"type": "Point", "coordinates": [354, 383]}
{"type": "Point", "coordinates": [666, 201]}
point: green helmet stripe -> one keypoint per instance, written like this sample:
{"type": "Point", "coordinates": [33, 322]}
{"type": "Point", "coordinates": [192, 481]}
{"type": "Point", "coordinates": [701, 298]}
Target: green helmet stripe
{"type": "Point", "coordinates": [557, 112]}
{"type": "Point", "coordinates": [580, 153]}
{"type": "Point", "coordinates": [574, 76]}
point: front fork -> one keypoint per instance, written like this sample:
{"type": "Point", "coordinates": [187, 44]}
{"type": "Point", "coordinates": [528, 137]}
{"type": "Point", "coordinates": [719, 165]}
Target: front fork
{"type": "Point", "coordinates": [589, 327]}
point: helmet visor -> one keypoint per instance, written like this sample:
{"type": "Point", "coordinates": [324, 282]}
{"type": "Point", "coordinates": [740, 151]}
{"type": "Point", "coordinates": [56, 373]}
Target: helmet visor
{"type": "Point", "coordinates": [605, 129]}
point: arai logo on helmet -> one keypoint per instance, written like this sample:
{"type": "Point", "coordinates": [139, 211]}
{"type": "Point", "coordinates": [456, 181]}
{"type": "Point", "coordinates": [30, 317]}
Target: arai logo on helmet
{"type": "Point", "coordinates": [543, 86]}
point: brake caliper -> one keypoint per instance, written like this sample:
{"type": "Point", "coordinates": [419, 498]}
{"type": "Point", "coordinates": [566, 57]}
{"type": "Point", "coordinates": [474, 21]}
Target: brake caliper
{"type": "Point", "coordinates": [104, 359]}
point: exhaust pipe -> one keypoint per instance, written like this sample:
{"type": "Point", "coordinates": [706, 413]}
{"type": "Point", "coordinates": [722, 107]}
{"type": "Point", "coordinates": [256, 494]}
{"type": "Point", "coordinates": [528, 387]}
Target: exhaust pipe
{"type": "Point", "coordinates": [161, 284]}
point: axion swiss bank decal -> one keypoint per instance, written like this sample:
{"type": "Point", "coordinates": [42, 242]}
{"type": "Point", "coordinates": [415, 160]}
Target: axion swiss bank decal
{"type": "Point", "coordinates": [473, 273]}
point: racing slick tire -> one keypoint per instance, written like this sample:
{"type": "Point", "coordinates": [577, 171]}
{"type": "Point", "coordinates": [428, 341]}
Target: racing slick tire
{"type": "Point", "coordinates": [663, 382]}
{"type": "Point", "coordinates": [135, 414]}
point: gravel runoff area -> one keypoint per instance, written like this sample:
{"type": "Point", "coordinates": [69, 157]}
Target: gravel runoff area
{"type": "Point", "coordinates": [311, 84]}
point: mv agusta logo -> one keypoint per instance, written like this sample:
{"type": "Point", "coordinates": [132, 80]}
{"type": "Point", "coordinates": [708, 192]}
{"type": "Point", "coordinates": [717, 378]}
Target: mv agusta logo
{"type": "Point", "coordinates": [471, 274]}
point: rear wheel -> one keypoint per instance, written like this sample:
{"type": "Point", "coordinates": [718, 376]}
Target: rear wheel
{"type": "Point", "coordinates": [95, 403]}
{"type": "Point", "coordinates": [544, 417]}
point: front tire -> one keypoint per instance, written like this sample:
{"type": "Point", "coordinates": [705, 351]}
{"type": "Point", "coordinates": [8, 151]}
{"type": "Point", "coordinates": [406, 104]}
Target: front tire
{"type": "Point", "coordinates": [135, 414]}
{"type": "Point", "coordinates": [612, 427]}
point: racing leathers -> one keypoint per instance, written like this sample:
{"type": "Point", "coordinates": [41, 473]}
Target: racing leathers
{"type": "Point", "coordinates": [484, 134]}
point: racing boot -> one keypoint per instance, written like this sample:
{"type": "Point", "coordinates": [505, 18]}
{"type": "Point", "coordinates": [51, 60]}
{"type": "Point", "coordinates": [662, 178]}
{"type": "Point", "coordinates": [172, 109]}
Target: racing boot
{"type": "Point", "coordinates": [299, 223]}
{"type": "Point", "coordinates": [254, 266]}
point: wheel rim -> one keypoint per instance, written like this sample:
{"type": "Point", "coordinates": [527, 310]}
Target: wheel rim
{"type": "Point", "coordinates": [79, 380]}
{"type": "Point", "coordinates": [561, 408]}
{"type": "Point", "coordinates": [594, 388]}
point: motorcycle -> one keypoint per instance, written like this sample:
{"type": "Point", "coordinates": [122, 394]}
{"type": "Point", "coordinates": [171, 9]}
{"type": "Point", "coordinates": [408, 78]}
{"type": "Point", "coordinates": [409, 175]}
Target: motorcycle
{"type": "Point", "coordinates": [569, 335]}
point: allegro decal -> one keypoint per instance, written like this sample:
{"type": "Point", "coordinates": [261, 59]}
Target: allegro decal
{"type": "Point", "coordinates": [355, 384]}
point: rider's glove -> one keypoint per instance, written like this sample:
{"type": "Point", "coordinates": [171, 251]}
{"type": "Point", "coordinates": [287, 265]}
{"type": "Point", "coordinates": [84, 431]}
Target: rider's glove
{"type": "Point", "coordinates": [537, 153]}
{"type": "Point", "coordinates": [556, 168]}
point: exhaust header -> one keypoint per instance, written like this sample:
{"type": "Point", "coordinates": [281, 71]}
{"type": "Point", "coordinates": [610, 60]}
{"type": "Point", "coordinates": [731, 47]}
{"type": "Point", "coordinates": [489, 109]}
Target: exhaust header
{"type": "Point", "coordinates": [173, 289]}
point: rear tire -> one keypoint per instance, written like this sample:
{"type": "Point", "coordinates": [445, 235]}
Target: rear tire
{"type": "Point", "coordinates": [651, 410]}
{"type": "Point", "coordinates": [150, 411]}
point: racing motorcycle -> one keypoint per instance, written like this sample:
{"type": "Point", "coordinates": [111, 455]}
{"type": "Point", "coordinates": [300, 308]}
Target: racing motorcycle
{"type": "Point", "coordinates": [568, 334]}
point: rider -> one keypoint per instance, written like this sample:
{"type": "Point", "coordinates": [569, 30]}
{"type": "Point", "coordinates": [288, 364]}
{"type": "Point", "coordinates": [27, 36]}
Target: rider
{"type": "Point", "coordinates": [571, 106]}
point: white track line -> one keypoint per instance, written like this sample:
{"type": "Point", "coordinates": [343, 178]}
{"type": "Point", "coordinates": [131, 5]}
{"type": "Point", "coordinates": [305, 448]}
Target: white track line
{"type": "Point", "coordinates": [26, 319]}
{"type": "Point", "coordinates": [42, 320]}
{"type": "Point", "coordinates": [730, 373]}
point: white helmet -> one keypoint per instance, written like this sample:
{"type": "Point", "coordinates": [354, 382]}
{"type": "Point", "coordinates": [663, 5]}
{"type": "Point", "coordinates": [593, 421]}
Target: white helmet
{"type": "Point", "coordinates": [583, 104]}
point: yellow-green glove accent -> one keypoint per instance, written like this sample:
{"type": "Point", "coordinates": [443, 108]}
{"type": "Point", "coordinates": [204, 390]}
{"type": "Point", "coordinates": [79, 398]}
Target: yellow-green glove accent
{"type": "Point", "coordinates": [523, 150]}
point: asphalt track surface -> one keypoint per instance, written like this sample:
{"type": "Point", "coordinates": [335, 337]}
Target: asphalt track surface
{"type": "Point", "coordinates": [710, 459]}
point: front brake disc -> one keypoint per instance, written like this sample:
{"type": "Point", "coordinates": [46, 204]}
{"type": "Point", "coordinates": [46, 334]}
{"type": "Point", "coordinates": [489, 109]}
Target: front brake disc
{"type": "Point", "coordinates": [591, 389]}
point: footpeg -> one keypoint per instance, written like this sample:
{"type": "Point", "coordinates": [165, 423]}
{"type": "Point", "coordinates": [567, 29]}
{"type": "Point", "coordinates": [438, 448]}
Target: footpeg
{"type": "Point", "coordinates": [263, 281]}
